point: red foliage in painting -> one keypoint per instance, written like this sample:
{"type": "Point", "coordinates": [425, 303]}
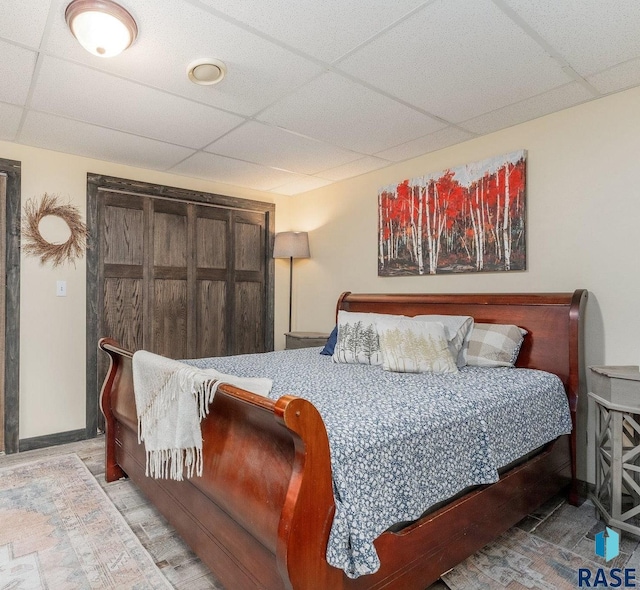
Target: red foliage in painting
{"type": "Point", "coordinates": [441, 225]}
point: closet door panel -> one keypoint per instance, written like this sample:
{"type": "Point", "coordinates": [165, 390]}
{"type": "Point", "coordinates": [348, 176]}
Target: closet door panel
{"type": "Point", "coordinates": [249, 318]}
{"type": "Point", "coordinates": [170, 318]}
{"type": "Point", "coordinates": [211, 240]}
{"type": "Point", "coordinates": [123, 318]}
{"type": "Point", "coordinates": [211, 317]}
{"type": "Point", "coordinates": [249, 243]}
{"type": "Point", "coordinates": [169, 236]}
{"type": "Point", "coordinates": [122, 238]}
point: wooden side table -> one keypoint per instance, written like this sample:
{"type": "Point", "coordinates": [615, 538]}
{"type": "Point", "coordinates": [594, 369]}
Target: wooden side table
{"type": "Point", "coordinates": [616, 393]}
{"type": "Point", "coordinates": [305, 339]}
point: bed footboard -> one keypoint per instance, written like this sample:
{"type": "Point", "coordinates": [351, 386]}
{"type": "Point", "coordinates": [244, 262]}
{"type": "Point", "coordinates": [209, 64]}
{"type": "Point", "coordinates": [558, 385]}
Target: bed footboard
{"type": "Point", "coordinates": [260, 515]}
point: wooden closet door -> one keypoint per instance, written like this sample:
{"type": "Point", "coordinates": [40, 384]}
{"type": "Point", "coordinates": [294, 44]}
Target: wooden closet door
{"type": "Point", "coordinates": [120, 305]}
{"type": "Point", "coordinates": [180, 279]}
{"type": "Point", "coordinates": [212, 250]}
{"type": "Point", "coordinates": [231, 300]}
{"type": "Point", "coordinates": [248, 282]}
{"type": "Point", "coordinates": [177, 272]}
{"type": "Point", "coordinates": [122, 262]}
{"type": "Point", "coordinates": [169, 277]}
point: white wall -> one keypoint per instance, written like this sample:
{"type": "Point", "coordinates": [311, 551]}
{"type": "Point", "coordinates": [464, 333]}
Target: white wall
{"type": "Point", "coordinates": [53, 329]}
{"type": "Point", "coordinates": [583, 214]}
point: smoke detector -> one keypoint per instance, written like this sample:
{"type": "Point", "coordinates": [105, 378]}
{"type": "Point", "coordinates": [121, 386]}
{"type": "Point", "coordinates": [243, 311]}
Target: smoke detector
{"type": "Point", "coordinates": [206, 71]}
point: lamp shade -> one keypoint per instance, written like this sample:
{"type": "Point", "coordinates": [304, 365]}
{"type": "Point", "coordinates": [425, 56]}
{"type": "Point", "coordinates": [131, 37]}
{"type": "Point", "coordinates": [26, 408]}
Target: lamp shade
{"type": "Point", "coordinates": [102, 27]}
{"type": "Point", "coordinates": [291, 244]}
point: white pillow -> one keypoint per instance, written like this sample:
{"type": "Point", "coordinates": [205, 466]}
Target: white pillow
{"type": "Point", "coordinates": [458, 329]}
{"type": "Point", "coordinates": [357, 340]}
{"type": "Point", "coordinates": [409, 345]}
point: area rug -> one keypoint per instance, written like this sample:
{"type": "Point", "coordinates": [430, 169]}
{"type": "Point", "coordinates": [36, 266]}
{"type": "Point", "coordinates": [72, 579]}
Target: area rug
{"type": "Point", "coordinates": [519, 560]}
{"type": "Point", "coordinates": [59, 530]}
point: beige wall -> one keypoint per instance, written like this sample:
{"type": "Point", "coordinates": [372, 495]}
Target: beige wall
{"type": "Point", "coordinates": [52, 329]}
{"type": "Point", "coordinates": [583, 227]}
{"type": "Point", "coordinates": [583, 221]}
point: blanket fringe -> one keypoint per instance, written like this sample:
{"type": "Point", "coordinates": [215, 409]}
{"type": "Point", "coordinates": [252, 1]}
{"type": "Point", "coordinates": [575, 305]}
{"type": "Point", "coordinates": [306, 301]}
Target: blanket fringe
{"type": "Point", "coordinates": [172, 463]}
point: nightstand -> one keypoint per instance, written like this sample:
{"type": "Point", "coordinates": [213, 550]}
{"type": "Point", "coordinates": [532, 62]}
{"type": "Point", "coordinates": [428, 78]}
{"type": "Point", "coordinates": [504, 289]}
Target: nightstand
{"type": "Point", "coordinates": [616, 393]}
{"type": "Point", "coordinates": [305, 339]}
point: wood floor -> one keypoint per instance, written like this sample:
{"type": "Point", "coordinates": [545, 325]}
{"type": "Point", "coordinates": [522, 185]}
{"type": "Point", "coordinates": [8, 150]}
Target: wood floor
{"type": "Point", "coordinates": [567, 526]}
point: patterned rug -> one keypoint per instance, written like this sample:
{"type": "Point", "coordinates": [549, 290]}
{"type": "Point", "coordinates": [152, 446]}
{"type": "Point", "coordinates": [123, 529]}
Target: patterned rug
{"type": "Point", "coordinates": [59, 531]}
{"type": "Point", "coordinates": [516, 561]}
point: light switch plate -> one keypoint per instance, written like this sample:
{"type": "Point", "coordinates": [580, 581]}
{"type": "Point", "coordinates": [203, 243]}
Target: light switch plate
{"type": "Point", "coordinates": [61, 288]}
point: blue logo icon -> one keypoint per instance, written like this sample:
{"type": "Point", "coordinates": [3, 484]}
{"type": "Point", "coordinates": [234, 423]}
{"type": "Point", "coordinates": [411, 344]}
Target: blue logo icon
{"type": "Point", "coordinates": [607, 544]}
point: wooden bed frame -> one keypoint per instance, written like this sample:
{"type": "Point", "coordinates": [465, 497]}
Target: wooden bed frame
{"type": "Point", "coordinates": [260, 516]}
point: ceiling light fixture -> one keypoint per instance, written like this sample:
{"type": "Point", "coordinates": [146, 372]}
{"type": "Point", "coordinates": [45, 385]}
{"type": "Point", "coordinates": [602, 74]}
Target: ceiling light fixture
{"type": "Point", "coordinates": [102, 27]}
{"type": "Point", "coordinates": [206, 71]}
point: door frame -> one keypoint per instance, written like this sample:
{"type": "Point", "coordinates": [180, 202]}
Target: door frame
{"type": "Point", "coordinates": [12, 170]}
{"type": "Point", "coordinates": [97, 182]}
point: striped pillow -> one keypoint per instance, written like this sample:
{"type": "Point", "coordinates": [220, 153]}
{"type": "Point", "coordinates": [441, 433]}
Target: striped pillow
{"type": "Point", "coordinates": [494, 345]}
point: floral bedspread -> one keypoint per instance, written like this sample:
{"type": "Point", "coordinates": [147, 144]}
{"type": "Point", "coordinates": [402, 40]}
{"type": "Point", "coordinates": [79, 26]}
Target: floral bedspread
{"type": "Point", "coordinates": [401, 442]}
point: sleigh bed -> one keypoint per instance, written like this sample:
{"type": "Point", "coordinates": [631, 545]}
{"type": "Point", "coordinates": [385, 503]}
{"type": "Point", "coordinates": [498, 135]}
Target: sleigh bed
{"type": "Point", "coordinates": [261, 514]}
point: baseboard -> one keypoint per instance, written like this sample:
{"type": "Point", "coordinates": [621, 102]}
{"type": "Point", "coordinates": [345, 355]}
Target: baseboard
{"type": "Point", "coordinates": [51, 440]}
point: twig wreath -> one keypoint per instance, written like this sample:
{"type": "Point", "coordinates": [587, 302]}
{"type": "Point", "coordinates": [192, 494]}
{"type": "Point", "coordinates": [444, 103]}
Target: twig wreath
{"type": "Point", "coordinates": [36, 245]}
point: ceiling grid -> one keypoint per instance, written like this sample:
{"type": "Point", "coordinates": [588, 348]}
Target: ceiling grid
{"type": "Point", "coordinates": [314, 93]}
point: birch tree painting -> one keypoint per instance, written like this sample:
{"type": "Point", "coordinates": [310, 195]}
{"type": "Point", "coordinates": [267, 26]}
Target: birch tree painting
{"type": "Point", "coordinates": [467, 219]}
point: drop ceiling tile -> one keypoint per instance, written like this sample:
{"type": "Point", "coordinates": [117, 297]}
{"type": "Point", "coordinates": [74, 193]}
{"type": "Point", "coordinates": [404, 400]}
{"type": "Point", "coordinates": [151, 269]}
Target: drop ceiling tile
{"type": "Point", "coordinates": [325, 30]}
{"type": "Point", "coordinates": [74, 137]}
{"type": "Point", "coordinates": [532, 108]}
{"type": "Point", "coordinates": [229, 171]}
{"type": "Point", "coordinates": [174, 33]}
{"type": "Point", "coordinates": [621, 77]}
{"type": "Point", "coordinates": [9, 121]}
{"type": "Point", "coordinates": [272, 146]}
{"type": "Point", "coordinates": [467, 58]}
{"type": "Point", "coordinates": [591, 34]}
{"type": "Point", "coordinates": [76, 91]}
{"type": "Point", "coordinates": [23, 21]}
{"type": "Point", "coordinates": [467, 62]}
{"type": "Point", "coordinates": [361, 166]}
{"type": "Point", "coordinates": [16, 70]}
{"type": "Point", "coordinates": [341, 112]}
{"type": "Point", "coordinates": [429, 143]}
{"type": "Point", "coordinates": [302, 185]}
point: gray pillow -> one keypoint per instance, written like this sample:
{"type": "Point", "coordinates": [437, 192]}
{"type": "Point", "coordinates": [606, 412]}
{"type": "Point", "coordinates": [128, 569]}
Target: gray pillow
{"type": "Point", "coordinates": [494, 345]}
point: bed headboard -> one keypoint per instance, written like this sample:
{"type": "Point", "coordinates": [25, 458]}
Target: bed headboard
{"type": "Point", "coordinates": [553, 320]}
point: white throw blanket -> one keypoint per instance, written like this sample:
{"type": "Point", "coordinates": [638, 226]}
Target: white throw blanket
{"type": "Point", "coordinates": [171, 399]}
